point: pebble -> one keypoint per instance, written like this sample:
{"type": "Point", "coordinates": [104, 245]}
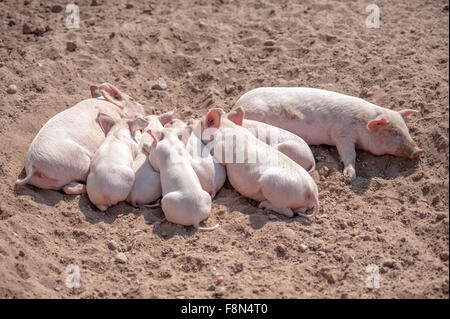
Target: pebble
{"type": "Point", "coordinates": [351, 259]}
{"type": "Point", "coordinates": [12, 89]}
{"type": "Point", "coordinates": [217, 60]}
{"type": "Point", "coordinates": [282, 249]}
{"type": "Point", "coordinates": [378, 229]}
{"type": "Point", "coordinates": [302, 248]}
{"type": "Point", "coordinates": [324, 171]}
{"type": "Point", "coordinates": [322, 254]}
{"type": "Point", "coordinates": [389, 263]}
{"type": "Point", "coordinates": [219, 280]}
{"type": "Point", "coordinates": [112, 245]}
{"type": "Point", "coordinates": [269, 43]}
{"type": "Point", "coordinates": [160, 84]}
{"type": "Point", "coordinates": [56, 8]}
{"type": "Point", "coordinates": [229, 89]}
{"type": "Point", "coordinates": [444, 256]}
{"type": "Point", "coordinates": [220, 291]}
{"type": "Point", "coordinates": [121, 258]}
{"type": "Point", "coordinates": [26, 29]}
{"type": "Point", "coordinates": [71, 46]}
{"type": "Point", "coordinates": [272, 217]}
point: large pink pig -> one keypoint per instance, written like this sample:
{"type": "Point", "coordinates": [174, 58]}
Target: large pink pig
{"type": "Point", "coordinates": [325, 117]}
{"type": "Point", "coordinates": [60, 154]}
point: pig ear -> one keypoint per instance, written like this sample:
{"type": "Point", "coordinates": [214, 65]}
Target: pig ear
{"type": "Point", "coordinates": [167, 117]}
{"type": "Point", "coordinates": [112, 94]}
{"type": "Point", "coordinates": [94, 91]}
{"type": "Point", "coordinates": [237, 116]}
{"type": "Point", "coordinates": [405, 113]}
{"type": "Point", "coordinates": [213, 118]}
{"type": "Point", "coordinates": [137, 124]}
{"type": "Point", "coordinates": [106, 122]}
{"type": "Point", "coordinates": [377, 123]}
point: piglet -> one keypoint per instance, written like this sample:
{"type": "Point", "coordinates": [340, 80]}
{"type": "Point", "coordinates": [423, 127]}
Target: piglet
{"type": "Point", "coordinates": [289, 144]}
{"type": "Point", "coordinates": [111, 174]}
{"type": "Point", "coordinates": [60, 154]}
{"type": "Point", "coordinates": [184, 201]}
{"type": "Point", "coordinates": [325, 117]}
{"type": "Point", "coordinates": [257, 170]}
{"type": "Point", "coordinates": [147, 184]}
{"type": "Point", "coordinates": [210, 172]}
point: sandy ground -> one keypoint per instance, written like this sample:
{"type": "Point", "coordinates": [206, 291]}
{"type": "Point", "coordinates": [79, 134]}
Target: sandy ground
{"type": "Point", "coordinates": [395, 215]}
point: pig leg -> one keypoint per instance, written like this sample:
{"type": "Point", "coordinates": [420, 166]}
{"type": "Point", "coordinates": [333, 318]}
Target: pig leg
{"type": "Point", "coordinates": [74, 188]}
{"type": "Point", "coordinates": [283, 211]}
{"type": "Point", "coordinates": [347, 153]}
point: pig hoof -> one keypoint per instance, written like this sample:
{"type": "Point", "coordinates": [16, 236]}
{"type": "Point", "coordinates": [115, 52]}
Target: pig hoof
{"type": "Point", "coordinates": [350, 172]}
{"type": "Point", "coordinates": [74, 188]}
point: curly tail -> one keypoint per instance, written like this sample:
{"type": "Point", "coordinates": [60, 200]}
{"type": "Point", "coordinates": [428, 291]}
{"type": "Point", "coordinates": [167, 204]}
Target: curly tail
{"type": "Point", "coordinates": [196, 225]}
{"type": "Point", "coordinates": [25, 180]}
{"type": "Point", "coordinates": [315, 211]}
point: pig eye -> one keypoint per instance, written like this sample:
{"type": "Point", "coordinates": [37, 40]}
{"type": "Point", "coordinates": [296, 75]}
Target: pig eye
{"type": "Point", "coordinates": [210, 123]}
{"type": "Point", "coordinates": [180, 137]}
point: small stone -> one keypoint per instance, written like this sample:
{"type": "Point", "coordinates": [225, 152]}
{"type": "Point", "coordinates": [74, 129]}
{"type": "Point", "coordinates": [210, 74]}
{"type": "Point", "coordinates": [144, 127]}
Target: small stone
{"type": "Point", "coordinates": [324, 171]}
{"type": "Point", "coordinates": [269, 43]}
{"type": "Point", "coordinates": [12, 89]}
{"type": "Point", "coordinates": [219, 280]}
{"type": "Point", "coordinates": [229, 89]}
{"type": "Point", "coordinates": [121, 258]}
{"type": "Point", "coordinates": [272, 217]}
{"type": "Point", "coordinates": [220, 291]}
{"type": "Point", "coordinates": [389, 263]}
{"type": "Point", "coordinates": [378, 229]}
{"type": "Point", "coordinates": [444, 256]}
{"type": "Point", "coordinates": [112, 35]}
{"type": "Point", "coordinates": [351, 259]}
{"type": "Point", "coordinates": [58, 288]}
{"type": "Point", "coordinates": [71, 46]}
{"type": "Point", "coordinates": [160, 84]}
{"type": "Point", "coordinates": [282, 249]}
{"type": "Point", "coordinates": [322, 254]}
{"type": "Point", "coordinates": [26, 29]}
{"type": "Point", "coordinates": [435, 200]}
{"type": "Point", "coordinates": [112, 245]}
{"type": "Point", "coordinates": [56, 8]}
{"type": "Point", "coordinates": [217, 60]}
{"type": "Point", "coordinates": [302, 248]}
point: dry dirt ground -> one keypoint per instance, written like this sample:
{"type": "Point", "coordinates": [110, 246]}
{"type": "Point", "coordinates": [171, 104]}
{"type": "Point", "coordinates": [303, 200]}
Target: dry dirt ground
{"type": "Point", "coordinates": [395, 215]}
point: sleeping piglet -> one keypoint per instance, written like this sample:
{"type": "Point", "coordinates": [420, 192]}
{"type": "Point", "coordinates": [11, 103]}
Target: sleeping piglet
{"type": "Point", "coordinates": [257, 170]}
{"type": "Point", "coordinates": [111, 174]}
{"type": "Point", "coordinates": [184, 201]}
{"type": "Point", "coordinates": [211, 173]}
{"type": "Point", "coordinates": [325, 117]}
{"type": "Point", "coordinates": [147, 183]}
{"type": "Point", "coordinates": [288, 143]}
